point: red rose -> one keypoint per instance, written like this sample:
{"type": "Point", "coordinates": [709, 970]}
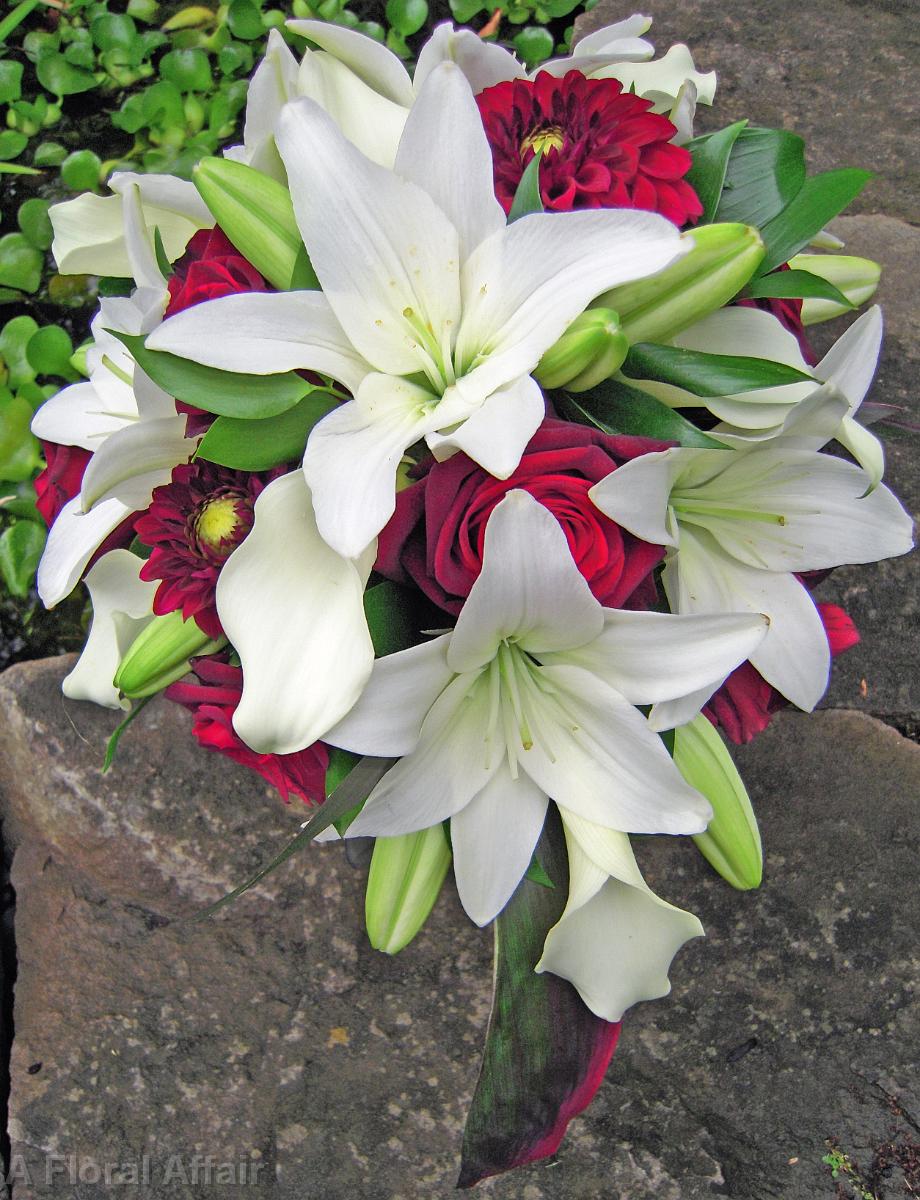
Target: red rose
{"type": "Point", "coordinates": [60, 480]}
{"type": "Point", "coordinates": [435, 537]}
{"type": "Point", "coordinates": [211, 267]}
{"type": "Point", "coordinates": [214, 700]}
{"type": "Point", "coordinates": [745, 703]}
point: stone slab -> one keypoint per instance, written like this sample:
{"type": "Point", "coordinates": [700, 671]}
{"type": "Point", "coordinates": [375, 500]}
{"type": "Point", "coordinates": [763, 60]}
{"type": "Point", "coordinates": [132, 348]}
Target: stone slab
{"type": "Point", "coordinates": [274, 1030]}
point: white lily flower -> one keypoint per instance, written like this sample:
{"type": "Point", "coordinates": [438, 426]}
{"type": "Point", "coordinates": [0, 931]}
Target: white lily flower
{"type": "Point", "coordinates": [616, 939]}
{"type": "Point", "coordinates": [433, 312]}
{"type": "Point", "coordinates": [129, 423]}
{"type": "Point", "coordinates": [844, 374]}
{"type": "Point", "coordinates": [532, 695]}
{"type": "Point", "coordinates": [739, 523]}
{"type": "Point", "coordinates": [122, 608]}
{"type": "Point", "coordinates": [90, 234]}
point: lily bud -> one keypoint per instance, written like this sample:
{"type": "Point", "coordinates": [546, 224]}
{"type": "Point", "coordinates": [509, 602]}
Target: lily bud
{"type": "Point", "coordinates": [857, 278]}
{"type": "Point", "coordinates": [405, 878]}
{"type": "Point", "coordinates": [589, 351]}
{"type": "Point", "coordinates": [731, 844]}
{"type": "Point", "coordinates": [722, 259]}
{"type": "Point", "coordinates": [256, 214]}
{"type": "Point", "coordinates": [159, 655]}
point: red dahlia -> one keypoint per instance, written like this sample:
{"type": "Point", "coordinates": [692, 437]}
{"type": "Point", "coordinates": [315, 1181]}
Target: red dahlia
{"type": "Point", "coordinates": [602, 148]}
{"type": "Point", "coordinates": [193, 525]}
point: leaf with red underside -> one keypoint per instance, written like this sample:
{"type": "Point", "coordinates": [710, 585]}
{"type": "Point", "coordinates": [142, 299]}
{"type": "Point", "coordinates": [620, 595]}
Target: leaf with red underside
{"type": "Point", "coordinates": [546, 1052]}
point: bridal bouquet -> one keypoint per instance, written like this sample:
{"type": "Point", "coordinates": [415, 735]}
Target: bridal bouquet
{"type": "Point", "coordinates": [453, 449]}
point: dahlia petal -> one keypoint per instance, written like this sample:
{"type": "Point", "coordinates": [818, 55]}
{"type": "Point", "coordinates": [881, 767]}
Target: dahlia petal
{"type": "Point", "coordinates": [293, 609]}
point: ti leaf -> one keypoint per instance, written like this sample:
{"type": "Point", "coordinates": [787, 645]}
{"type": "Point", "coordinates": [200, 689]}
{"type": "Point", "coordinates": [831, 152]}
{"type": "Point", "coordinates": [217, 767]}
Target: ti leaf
{"type": "Point", "coordinates": [227, 393]}
{"type": "Point", "coordinates": [615, 408]}
{"type": "Point", "coordinates": [546, 1052]}
{"type": "Point", "coordinates": [710, 162]}
{"type": "Point", "coordinates": [797, 284]}
{"type": "Point", "coordinates": [527, 198]}
{"type": "Point", "coordinates": [390, 609]}
{"type": "Point", "coordinates": [708, 374]}
{"type": "Point", "coordinates": [766, 169]}
{"type": "Point", "coordinates": [247, 445]}
{"type": "Point", "coordinates": [820, 199]}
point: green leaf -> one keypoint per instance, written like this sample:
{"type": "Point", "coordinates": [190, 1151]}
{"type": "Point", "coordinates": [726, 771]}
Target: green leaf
{"type": "Point", "coordinates": [61, 78]}
{"type": "Point", "coordinates": [159, 251]}
{"type": "Point", "coordinates": [49, 154]}
{"type": "Point", "coordinates": [35, 223]}
{"type": "Point", "coordinates": [352, 791]}
{"type": "Point", "coordinates": [81, 171]}
{"type": "Point", "coordinates": [14, 338]}
{"type": "Point", "coordinates": [820, 199]}
{"type": "Point", "coordinates": [407, 16]}
{"type": "Point", "coordinates": [111, 745]}
{"type": "Point", "coordinates": [464, 10]}
{"type": "Point", "coordinates": [795, 284]}
{"type": "Point", "coordinates": [766, 168]}
{"type": "Point", "coordinates": [227, 393]}
{"type": "Point", "coordinates": [21, 547]}
{"type": "Point", "coordinates": [49, 352]}
{"type": "Point", "coordinates": [189, 70]}
{"type": "Point", "coordinates": [537, 873]}
{"type": "Point", "coordinates": [546, 1052]}
{"type": "Point", "coordinates": [389, 609]}
{"type": "Point", "coordinates": [10, 80]}
{"type": "Point", "coordinates": [259, 445]}
{"type": "Point", "coordinates": [527, 198]}
{"type": "Point", "coordinates": [20, 263]}
{"type": "Point", "coordinates": [708, 374]}
{"type": "Point", "coordinates": [534, 44]}
{"type": "Point", "coordinates": [15, 17]}
{"type": "Point", "coordinates": [113, 31]}
{"type": "Point", "coordinates": [615, 408]}
{"type": "Point", "coordinates": [710, 162]}
{"type": "Point", "coordinates": [19, 450]}
{"type": "Point", "coordinates": [244, 20]}
{"type": "Point", "coordinates": [303, 277]}
{"type": "Point", "coordinates": [12, 144]}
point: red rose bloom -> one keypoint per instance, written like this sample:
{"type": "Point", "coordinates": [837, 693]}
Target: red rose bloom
{"type": "Point", "coordinates": [194, 524]}
{"type": "Point", "coordinates": [214, 699]}
{"type": "Point", "coordinates": [211, 267]}
{"type": "Point", "coordinates": [602, 148]}
{"type": "Point", "coordinates": [60, 480]}
{"type": "Point", "coordinates": [745, 703]}
{"type": "Point", "coordinates": [435, 537]}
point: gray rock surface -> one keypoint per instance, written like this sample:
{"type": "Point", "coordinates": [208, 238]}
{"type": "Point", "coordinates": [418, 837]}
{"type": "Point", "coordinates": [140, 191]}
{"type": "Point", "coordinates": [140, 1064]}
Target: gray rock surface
{"type": "Point", "coordinates": [273, 1033]}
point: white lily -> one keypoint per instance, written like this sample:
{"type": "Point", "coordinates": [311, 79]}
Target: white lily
{"type": "Point", "coordinates": [122, 608]}
{"type": "Point", "coordinates": [129, 423]}
{"type": "Point", "coordinates": [739, 523]}
{"type": "Point", "coordinates": [90, 232]}
{"type": "Point", "coordinates": [532, 695]}
{"type": "Point", "coordinates": [844, 374]}
{"type": "Point", "coordinates": [616, 939]}
{"type": "Point", "coordinates": [433, 312]}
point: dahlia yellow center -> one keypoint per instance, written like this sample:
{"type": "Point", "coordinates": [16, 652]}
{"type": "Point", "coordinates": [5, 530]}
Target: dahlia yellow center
{"type": "Point", "coordinates": [218, 521]}
{"type": "Point", "coordinates": [541, 141]}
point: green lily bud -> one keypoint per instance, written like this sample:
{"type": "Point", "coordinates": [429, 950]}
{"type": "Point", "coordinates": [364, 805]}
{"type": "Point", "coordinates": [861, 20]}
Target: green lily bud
{"type": "Point", "coordinates": [731, 844]}
{"type": "Point", "coordinates": [857, 278]}
{"type": "Point", "coordinates": [159, 655]}
{"type": "Point", "coordinates": [256, 214]}
{"type": "Point", "coordinates": [78, 359]}
{"type": "Point", "coordinates": [589, 351]}
{"type": "Point", "coordinates": [405, 878]}
{"type": "Point", "coordinates": [723, 259]}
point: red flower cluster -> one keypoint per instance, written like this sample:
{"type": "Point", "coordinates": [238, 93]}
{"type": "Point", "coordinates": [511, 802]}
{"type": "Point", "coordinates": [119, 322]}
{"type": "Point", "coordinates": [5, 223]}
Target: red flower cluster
{"type": "Point", "coordinates": [435, 537]}
{"type": "Point", "coordinates": [602, 148]}
{"type": "Point", "coordinates": [214, 700]}
{"type": "Point", "coordinates": [210, 268]}
{"type": "Point", "coordinates": [193, 524]}
{"type": "Point", "coordinates": [745, 703]}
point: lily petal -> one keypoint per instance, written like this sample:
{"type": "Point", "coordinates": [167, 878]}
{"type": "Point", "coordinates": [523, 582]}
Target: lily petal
{"type": "Point", "coordinates": [122, 607]}
{"type": "Point", "coordinates": [851, 362]}
{"type": "Point", "coordinates": [497, 432]}
{"type": "Point", "coordinates": [616, 939]}
{"type": "Point", "coordinates": [366, 58]}
{"type": "Point", "coordinates": [73, 539]}
{"type": "Point", "coordinates": [638, 499]}
{"type": "Point", "coordinates": [529, 589]}
{"type": "Point", "coordinates": [370, 121]}
{"type": "Point", "coordinates": [386, 255]}
{"type": "Point", "coordinates": [387, 720]}
{"type": "Point", "coordinates": [493, 840]}
{"type": "Point", "coordinates": [483, 63]}
{"type": "Point", "coordinates": [77, 416]}
{"type": "Point", "coordinates": [134, 460]}
{"type": "Point", "coordinates": [263, 333]}
{"type": "Point", "coordinates": [294, 611]}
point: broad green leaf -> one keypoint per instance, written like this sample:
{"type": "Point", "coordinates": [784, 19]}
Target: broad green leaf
{"type": "Point", "coordinates": [10, 80]}
{"type": "Point", "coordinates": [708, 374]}
{"type": "Point", "coordinates": [49, 351]}
{"type": "Point", "coordinates": [710, 155]}
{"type": "Point", "coordinates": [111, 745]}
{"type": "Point", "coordinates": [352, 791]}
{"type": "Point", "coordinates": [795, 284]}
{"type": "Point", "coordinates": [546, 1052]}
{"type": "Point", "coordinates": [407, 16]}
{"type": "Point", "coordinates": [81, 171]}
{"type": "Point", "coordinates": [35, 223]}
{"type": "Point", "coordinates": [14, 338]}
{"type": "Point", "coordinates": [731, 844]}
{"type": "Point", "coordinates": [20, 263]}
{"type": "Point", "coordinates": [820, 199]}
{"type": "Point", "coordinates": [765, 170]}
{"type": "Point", "coordinates": [534, 44]}
{"type": "Point", "coordinates": [527, 198]}
{"type": "Point", "coordinates": [12, 144]}
{"type": "Point", "coordinates": [537, 872]}
{"type": "Point", "coordinates": [61, 78]}
{"type": "Point", "coordinates": [19, 450]}
{"type": "Point", "coordinates": [390, 610]}
{"type": "Point", "coordinates": [244, 20]}
{"type": "Point", "coordinates": [21, 547]}
{"type": "Point", "coordinates": [189, 70]}
{"type": "Point", "coordinates": [259, 445]}
{"type": "Point", "coordinates": [227, 393]}
{"type": "Point", "coordinates": [613, 407]}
